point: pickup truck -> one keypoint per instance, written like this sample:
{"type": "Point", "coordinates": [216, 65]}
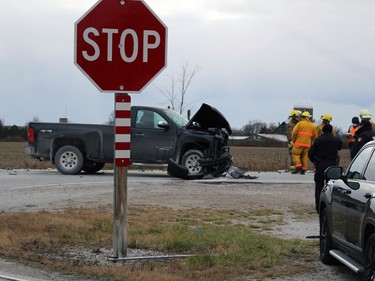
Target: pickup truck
{"type": "Point", "coordinates": [159, 136]}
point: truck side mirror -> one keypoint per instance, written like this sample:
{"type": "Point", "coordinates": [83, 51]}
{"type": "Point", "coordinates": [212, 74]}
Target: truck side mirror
{"type": "Point", "coordinates": [164, 125]}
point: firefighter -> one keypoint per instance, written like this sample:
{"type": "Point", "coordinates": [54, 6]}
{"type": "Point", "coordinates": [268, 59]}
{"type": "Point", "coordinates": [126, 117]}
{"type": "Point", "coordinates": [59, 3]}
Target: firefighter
{"type": "Point", "coordinates": [351, 131]}
{"type": "Point", "coordinates": [326, 119]}
{"type": "Point", "coordinates": [303, 135]}
{"type": "Point", "coordinates": [366, 115]}
{"type": "Point", "coordinates": [293, 120]}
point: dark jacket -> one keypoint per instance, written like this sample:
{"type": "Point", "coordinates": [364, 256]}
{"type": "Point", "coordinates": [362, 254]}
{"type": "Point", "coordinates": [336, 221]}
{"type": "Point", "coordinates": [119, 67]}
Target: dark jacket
{"type": "Point", "coordinates": [325, 149]}
{"type": "Point", "coordinates": [362, 136]}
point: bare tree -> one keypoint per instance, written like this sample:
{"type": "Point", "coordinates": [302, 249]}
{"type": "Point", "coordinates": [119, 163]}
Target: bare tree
{"type": "Point", "coordinates": [35, 119]}
{"type": "Point", "coordinates": [176, 98]}
{"type": "Point", "coordinates": [111, 119]}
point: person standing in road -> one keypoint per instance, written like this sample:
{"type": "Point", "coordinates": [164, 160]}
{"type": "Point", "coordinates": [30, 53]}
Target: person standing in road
{"type": "Point", "coordinates": [324, 152]}
{"type": "Point", "coordinates": [303, 135]}
{"type": "Point", "coordinates": [326, 119]}
{"type": "Point", "coordinates": [352, 129]}
{"type": "Point", "coordinates": [293, 120]}
{"type": "Point", "coordinates": [363, 135]}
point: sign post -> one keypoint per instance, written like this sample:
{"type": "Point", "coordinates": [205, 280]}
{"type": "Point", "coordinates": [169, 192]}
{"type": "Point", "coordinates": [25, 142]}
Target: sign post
{"type": "Point", "coordinates": [121, 46]}
{"type": "Point", "coordinates": [122, 161]}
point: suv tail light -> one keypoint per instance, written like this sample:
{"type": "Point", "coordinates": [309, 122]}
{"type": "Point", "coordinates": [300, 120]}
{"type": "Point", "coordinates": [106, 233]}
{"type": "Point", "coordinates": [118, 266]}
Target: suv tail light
{"type": "Point", "coordinates": [30, 134]}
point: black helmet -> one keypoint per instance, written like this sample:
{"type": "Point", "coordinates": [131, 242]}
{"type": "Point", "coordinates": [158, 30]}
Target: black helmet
{"type": "Point", "coordinates": [355, 120]}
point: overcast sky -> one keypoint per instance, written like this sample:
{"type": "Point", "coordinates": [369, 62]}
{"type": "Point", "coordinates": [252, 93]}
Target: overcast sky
{"type": "Point", "coordinates": [258, 59]}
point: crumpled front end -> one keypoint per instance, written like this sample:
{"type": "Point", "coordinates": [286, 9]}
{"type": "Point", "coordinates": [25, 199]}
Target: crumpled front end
{"type": "Point", "coordinates": [216, 161]}
{"type": "Point", "coordinates": [218, 166]}
{"type": "Point", "coordinates": [204, 150]}
{"type": "Point", "coordinates": [212, 167]}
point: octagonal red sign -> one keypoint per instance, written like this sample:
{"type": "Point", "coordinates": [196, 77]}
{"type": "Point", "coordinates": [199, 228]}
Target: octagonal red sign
{"type": "Point", "coordinates": [120, 45]}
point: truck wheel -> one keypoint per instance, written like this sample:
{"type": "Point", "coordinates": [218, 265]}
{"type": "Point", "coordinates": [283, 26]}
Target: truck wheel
{"type": "Point", "coordinates": [190, 161]}
{"type": "Point", "coordinates": [370, 258]}
{"type": "Point", "coordinates": [69, 160]}
{"type": "Point", "coordinates": [91, 167]}
{"type": "Point", "coordinates": [325, 244]}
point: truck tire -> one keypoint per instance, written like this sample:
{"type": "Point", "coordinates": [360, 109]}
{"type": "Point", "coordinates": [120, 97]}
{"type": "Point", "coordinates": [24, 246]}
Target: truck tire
{"type": "Point", "coordinates": [69, 160]}
{"type": "Point", "coordinates": [325, 244]}
{"type": "Point", "coordinates": [369, 273]}
{"type": "Point", "coordinates": [190, 161]}
{"type": "Point", "coordinates": [91, 167]}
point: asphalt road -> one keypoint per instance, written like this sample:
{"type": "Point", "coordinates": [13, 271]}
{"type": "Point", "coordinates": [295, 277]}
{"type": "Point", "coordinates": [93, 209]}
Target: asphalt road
{"type": "Point", "coordinates": [27, 190]}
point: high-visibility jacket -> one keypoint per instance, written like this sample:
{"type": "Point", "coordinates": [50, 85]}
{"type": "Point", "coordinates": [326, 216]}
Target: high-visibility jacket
{"type": "Point", "coordinates": [352, 131]}
{"type": "Point", "coordinates": [303, 133]}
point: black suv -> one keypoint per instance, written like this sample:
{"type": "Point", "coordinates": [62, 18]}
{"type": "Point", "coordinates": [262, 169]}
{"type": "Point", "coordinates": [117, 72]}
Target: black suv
{"type": "Point", "coordinates": [347, 218]}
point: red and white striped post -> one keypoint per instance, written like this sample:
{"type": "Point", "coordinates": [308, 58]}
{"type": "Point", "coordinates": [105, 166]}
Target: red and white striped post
{"type": "Point", "coordinates": [121, 161]}
{"type": "Point", "coordinates": [122, 130]}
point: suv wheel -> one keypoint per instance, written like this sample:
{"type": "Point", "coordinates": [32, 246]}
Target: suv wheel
{"type": "Point", "coordinates": [370, 258]}
{"type": "Point", "coordinates": [325, 244]}
{"type": "Point", "coordinates": [69, 160]}
{"type": "Point", "coordinates": [191, 161]}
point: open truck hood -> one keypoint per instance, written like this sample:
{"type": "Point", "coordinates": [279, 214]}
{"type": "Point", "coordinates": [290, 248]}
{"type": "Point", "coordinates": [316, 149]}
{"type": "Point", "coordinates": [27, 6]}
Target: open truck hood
{"type": "Point", "coordinates": [209, 117]}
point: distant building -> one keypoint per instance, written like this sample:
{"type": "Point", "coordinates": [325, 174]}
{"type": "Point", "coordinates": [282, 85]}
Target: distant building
{"type": "Point", "coordinates": [281, 129]}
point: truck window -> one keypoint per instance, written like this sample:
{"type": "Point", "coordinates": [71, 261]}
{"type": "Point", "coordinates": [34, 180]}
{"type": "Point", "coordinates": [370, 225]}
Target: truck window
{"type": "Point", "coordinates": [179, 120]}
{"type": "Point", "coordinates": [148, 119]}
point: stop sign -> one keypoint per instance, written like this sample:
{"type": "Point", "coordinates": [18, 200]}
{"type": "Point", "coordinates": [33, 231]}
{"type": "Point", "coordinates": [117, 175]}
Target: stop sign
{"type": "Point", "coordinates": [120, 45]}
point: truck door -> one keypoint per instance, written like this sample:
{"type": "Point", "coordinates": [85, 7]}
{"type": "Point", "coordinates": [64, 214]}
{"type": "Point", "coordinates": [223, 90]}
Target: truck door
{"type": "Point", "coordinates": [150, 142]}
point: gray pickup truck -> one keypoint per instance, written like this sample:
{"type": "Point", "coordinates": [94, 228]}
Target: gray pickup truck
{"type": "Point", "coordinates": [159, 136]}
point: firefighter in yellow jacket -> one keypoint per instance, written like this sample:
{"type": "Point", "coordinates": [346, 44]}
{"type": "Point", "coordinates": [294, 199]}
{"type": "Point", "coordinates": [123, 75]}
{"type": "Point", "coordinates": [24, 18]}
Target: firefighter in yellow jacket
{"type": "Point", "coordinates": [294, 118]}
{"type": "Point", "coordinates": [326, 119]}
{"type": "Point", "coordinates": [302, 136]}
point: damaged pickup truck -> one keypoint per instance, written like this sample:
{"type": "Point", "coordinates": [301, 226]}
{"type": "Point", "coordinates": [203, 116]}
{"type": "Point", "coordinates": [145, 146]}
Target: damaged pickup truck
{"type": "Point", "coordinates": [159, 136]}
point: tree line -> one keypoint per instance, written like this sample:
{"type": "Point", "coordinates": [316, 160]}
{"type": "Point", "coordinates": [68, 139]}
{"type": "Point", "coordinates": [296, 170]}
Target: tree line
{"type": "Point", "coordinates": [12, 133]}
{"type": "Point", "coordinates": [255, 127]}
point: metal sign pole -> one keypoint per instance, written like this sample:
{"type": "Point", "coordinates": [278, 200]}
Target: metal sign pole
{"type": "Point", "coordinates": [122, 161]}
{"type": "Point", "coordinates": [120, 210]}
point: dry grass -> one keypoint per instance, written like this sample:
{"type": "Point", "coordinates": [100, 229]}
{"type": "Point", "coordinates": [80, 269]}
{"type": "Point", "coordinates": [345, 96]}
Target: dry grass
{"type": "Point", "coordinates": [250, 158]}
{"type": "Point", "coordinates": [265, 159]}
{"type": "Point", "coordinates": [12, 156]}
{"type": "Point", "coordinates": [225, 249]}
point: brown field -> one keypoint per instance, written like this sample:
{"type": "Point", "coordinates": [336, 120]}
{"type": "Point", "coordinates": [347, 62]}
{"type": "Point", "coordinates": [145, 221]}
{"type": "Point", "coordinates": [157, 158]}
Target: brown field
{"type": "Point", "coordinates": [251, 158]}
